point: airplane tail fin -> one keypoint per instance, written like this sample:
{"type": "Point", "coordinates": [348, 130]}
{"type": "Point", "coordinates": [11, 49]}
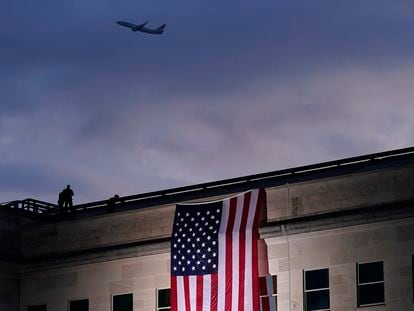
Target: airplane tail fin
{"type": "Point", "coordinates": [161, 28]}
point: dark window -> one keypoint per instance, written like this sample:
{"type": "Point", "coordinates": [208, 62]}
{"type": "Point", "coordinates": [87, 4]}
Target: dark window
{"type": "Point", "coordinates": [37, 308]}
{"type": "Point", "coordinates": [370, 277]}
{"type": "Point", "coordinates": [79, 305]}
{"type": "Point", "coordinates": [316, 285]}
{"type": "Point", "coordinates": [122, 302]}
{"type": "Point", "coordinates": [268, 292]}
{"type": "Point", "coordinates": [163, 302]}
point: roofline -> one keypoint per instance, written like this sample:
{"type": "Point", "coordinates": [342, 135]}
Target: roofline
{"type": "Point", "coordinates": [232, 185]}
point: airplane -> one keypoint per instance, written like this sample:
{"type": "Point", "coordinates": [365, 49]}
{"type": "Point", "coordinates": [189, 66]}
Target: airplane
{"type": "Point", "coordinates": [142, 28]}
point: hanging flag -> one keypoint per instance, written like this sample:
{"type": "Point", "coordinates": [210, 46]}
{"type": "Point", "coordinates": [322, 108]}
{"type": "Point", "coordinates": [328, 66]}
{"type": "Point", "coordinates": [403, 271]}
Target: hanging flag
{"type": "Point", "coordinates": [214, 256]}
{"type": "Point", "coordinates": [268, 293]}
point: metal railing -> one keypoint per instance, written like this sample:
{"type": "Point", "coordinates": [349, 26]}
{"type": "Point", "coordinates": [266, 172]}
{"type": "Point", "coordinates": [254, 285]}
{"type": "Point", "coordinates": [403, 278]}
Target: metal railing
{"type": "Point", "coordinates": [227, 185]}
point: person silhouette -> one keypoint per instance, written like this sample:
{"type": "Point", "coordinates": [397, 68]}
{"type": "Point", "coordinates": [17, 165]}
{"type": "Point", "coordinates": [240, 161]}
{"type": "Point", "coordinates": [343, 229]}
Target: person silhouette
{"type": "Point", "coordinates": [67, 195]}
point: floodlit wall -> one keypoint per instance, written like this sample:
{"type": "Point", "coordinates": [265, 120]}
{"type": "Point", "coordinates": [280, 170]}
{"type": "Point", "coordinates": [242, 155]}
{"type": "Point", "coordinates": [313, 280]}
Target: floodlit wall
{"type": "Point", "coordinates": [96, 257]}
{"type": "Point", "coordinates": [98, 282]}
{"type": "Point", "coordinates": [340, 250]}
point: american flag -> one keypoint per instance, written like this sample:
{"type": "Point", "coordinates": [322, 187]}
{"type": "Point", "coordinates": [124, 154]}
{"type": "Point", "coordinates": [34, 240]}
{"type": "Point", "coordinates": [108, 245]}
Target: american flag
{"type": "Point", "coordinates": [214, 257]}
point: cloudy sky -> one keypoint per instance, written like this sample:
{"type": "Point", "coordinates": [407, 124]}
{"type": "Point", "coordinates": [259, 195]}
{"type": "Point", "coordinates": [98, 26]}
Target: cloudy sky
{"type": "Point", "coordinates": [231, 88]}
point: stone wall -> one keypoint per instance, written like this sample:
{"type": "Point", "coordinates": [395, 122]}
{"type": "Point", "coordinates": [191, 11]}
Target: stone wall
{"type": "Point", "coordinates": [340, 250]}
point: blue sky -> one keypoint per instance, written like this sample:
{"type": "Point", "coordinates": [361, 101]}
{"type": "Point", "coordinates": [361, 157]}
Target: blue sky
{"type": "Point", "coordinates": [231, 88]}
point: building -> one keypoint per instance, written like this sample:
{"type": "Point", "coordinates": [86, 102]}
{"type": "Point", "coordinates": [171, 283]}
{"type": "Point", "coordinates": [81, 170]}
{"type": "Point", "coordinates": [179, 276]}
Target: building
{"type": "Point", "coordinates": [339, 236]}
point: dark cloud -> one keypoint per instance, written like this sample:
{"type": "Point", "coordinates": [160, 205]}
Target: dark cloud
{"type": "Point", "coordinates": [231, 88]}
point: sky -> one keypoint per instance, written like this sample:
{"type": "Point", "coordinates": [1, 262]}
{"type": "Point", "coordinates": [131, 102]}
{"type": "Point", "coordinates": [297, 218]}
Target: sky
{"type": "Point", "coordinates": [231, 88]}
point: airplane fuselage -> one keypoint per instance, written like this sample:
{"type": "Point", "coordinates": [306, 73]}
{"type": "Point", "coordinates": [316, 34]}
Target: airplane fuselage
{"type": "Point", "coordinates": [142, 28]}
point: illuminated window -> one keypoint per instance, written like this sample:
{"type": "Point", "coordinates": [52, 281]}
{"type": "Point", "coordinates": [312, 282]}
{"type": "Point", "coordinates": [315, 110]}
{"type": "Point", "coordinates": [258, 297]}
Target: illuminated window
{"type": "Point", "coordinates": [268, 292]}
{"type": "Point", "coordinates": [79, 305]}
{"type": "Point", "coordinates": [122, 302]}
{"type": "Point", "coordinates": [370, 277]}
{"type": "Point", "coordinates": [163, 299]}
{"type": "Point", "coordinates": [316, 290]}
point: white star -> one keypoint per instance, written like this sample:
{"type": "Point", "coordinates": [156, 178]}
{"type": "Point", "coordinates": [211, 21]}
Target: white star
{"type": "Point", "coordinates": [217, 210]}
{"type": "Point", "coordinates": [178, 214]}
{"type": "Point", "coordinates": [178, 240]}
{"type": "Point", "coordinates": [214, 254]}
{"type": "Point", "coordinates": [214, 266]}
{"type": "Point", "coordinates": [193, 268]}
{"type": "Point", "coordinates": [188, 262]}
{"type": "Point", "coordinates": [187, 214]}
{"type": "Point", "coordinates": [203, 267]}
{"type": "Point", "coordinates": [188, 240]}
{"type": "Point", "coordinates": [217, 221]}
{"type": "Point", "coordinates": [198, 239]}
{"type": "Point", "coordinates": [214, 242]}
{"type": "Point", "coordinates": [192, 219]}
{"type": "Point", "coordinates": [182, 246]}
{"type": "Point", "coordinates": [175, 268]}
{"type": "Point", "coordinates": [179, 262]}
{"type": "Point", "coordinates": [198, 251]}
{"type": "Point", "coordinates": [183, 269]}
{"type": "Point", "coordinates": [209, 249]}
{"type": "Point", "coordinates": [193, 256]}
{"type": "Point", "coordinates": [204, 256]}
{"type": "Point", "coordinates": [185, 225]}
{"type": "Point", "coordinates": [208, 213]}
{"type": "Point", "coordinates": [188, 251]}
{"type": "Point", "coordinates": [211, 227]}
{"type": "Point", "coordinates": [175, 256]}
{"type": "Point", "coordinates": [198, 213]}
{"type": "Point", "coordinates": [196, 224]}
{"type": "Point", "coordinates": [209, 260]}
{"type": "Point", "coordinates": [203, 244]}
{"type": "Point", "coordinates": [182, 219]}
{"type": "Point", "coordinates": [175, 245]}
{"type": "Point", "coordinates": [209, 238]}
{"type": "Point", "coordinates": [198, 262]}
{"type": "Point", "coordinates": [202, 218]}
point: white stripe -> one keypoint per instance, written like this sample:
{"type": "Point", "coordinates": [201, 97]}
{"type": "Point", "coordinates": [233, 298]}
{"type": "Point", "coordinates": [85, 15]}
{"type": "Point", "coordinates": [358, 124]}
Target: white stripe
{"type": "Point", "coordinates": [221, 294]}
{"type": "Point", "coordinates": [206, 292]}
{"type": "Point", "coordinates": [248, 284]}
{"type": "Point", "coordinates": [180, 293]}
{"type": "Point", "coordinates": [235, 254]}
{"type": "Point", "coordinates": [193, 291]}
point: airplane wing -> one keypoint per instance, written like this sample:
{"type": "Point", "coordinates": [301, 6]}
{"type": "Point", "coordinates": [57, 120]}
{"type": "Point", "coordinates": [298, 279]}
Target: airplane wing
{"type": "Point", "coordinates": [142, 25]}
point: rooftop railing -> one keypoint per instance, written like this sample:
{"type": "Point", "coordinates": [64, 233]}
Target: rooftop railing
{"type": "Point", "coordinates": [343, 166]}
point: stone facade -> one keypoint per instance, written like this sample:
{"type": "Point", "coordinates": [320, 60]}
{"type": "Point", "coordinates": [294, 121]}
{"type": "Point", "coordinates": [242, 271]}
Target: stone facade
{"type": "Point", "coordinates": [327, 222]}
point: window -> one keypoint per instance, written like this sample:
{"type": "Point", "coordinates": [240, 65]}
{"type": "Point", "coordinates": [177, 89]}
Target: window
{"type": "Point", "coordinates": [79, 305]}
{"type": "Point", "coordinates": [37, 308]}
{"type": "Point", "coordinates": [122, 302]}
{"type": "Point", "coordinates": [370, 277]}
{"type": "Point", "coordinates": [268, 292]}
{"type": "Point", "coordinates": [316, 290]}
{"type": "Point", "coordinates": [163, 299]}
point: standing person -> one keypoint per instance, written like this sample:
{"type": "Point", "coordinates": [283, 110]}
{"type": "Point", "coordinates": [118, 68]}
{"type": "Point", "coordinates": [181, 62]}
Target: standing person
{"type": "Point", "coordinates": [67, 197]}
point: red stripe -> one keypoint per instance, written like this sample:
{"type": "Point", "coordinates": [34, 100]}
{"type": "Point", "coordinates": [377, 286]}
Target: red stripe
{"type": "Point", "coordinates": [187, 292]}
{"type": "Point", "coordinates": [229, 254]}
{"type": "Point", "coordinates": [214, 292]}
{"type": "Point", "coordinates": [174, 293]}
{"type": "Point", "coordinates": [200, 288]}
{"type": "Point", "coordinates": [255, 270]}
{"type": "Point", "coordinates": [242, 249]}
{"type": "Point", "coordinates": [265, 303]}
